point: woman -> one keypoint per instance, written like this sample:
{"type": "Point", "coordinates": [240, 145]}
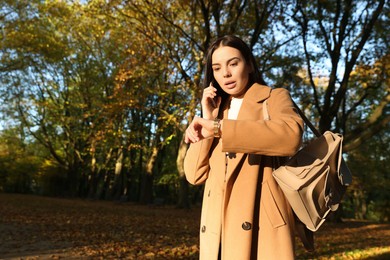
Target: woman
{"type": "Point", "coordinates": [232, 149]}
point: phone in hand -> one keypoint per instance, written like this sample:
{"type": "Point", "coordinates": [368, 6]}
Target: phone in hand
{"type": "Point", "coordinates": [215, 99]}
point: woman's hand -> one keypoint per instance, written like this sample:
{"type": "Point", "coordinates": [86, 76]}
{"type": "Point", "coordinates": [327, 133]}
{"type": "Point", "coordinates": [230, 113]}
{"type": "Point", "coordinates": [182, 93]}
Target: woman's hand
{"type": "Point", "coordinates": [210, 102]}
{"type": "Point", "coordinates": [199, 129]}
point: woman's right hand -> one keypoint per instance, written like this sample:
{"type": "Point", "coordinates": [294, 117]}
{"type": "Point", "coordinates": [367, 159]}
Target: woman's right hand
{"type": "Point", "coordinates": [199, 129]}
{"type": "Point", "coordinates": [210, 102]}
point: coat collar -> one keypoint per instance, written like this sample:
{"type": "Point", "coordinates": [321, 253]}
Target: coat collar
{"type": "Point", "coordinates": [255, 94]}
{"type": "Point", "coordinates": [258, 92]}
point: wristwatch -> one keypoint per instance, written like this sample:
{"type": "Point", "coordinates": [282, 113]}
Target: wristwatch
{"type": "Point", "coordinates": [217, 128]}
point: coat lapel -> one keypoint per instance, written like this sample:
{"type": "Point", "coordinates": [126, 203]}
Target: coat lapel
{"type": "Point", "coordinates": [255, 94]}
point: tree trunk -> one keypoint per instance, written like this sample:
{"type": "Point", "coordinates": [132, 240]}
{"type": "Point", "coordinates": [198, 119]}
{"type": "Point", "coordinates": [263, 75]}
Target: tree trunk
{"type": "Point", "coordinates": [183, 201]}
{"type": "Point", "coordinates": [147, 179]}
{"type": "Point", "coordinates": [360, 204]}
{"type": "Point", "coordinates": [92, 177]}
{"type": "Point", "coordinates": [73, 180]}
{"type": "Point", "coordinates": [117, 186]}
{"type": "Point", "coordinates": [146, 189]}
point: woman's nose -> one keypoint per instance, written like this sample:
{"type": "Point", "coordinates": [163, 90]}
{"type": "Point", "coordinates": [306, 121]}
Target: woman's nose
{"type": "Point", "coordinates": [226, 73]}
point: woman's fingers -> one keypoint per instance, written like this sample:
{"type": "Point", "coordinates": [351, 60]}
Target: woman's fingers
{"type": "Point", "coordinates": [210, 102]}
{"type": "Point", "coordinates": [192, 135]}
{"type": "Point", "coordinates": [199, 129]}
{"type": "Point", "coordinates": [209, 94]}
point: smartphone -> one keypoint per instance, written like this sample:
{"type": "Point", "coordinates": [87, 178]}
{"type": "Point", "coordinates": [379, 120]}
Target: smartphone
{"type": "Point", "coordinates": [215, 84]}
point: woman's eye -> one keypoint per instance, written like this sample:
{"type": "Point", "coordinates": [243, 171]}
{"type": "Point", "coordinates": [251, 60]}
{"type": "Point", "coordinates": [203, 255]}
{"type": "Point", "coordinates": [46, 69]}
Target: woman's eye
{"type": "Point", "coordinates": [216, 68]}
{"type": "Point", "coordinates": [233, 64]}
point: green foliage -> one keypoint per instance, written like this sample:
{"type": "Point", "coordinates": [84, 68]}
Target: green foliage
{"type": "Point", "coordinates": [371, 170]}
{"type": "Point", "coordinates": [19, 163]}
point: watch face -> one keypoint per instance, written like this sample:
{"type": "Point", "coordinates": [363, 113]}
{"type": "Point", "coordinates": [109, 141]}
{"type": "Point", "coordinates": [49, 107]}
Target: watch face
{"type": "Point", "coordinates": [217, 126]}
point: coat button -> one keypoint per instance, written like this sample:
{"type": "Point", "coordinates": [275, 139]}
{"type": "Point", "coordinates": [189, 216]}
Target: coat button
{"type": "Point", "coordinates": [203, 229]}
{"type": "Point", "coordinates": [246, 226]}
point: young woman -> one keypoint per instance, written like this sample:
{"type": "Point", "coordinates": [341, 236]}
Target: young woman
{"type": "Point", "coordinates": [232, 149]}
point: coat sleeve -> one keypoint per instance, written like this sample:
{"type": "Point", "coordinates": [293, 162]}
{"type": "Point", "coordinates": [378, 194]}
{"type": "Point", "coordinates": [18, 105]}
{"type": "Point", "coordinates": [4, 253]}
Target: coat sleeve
{"type": "Point", "coordinates": [279, 136]}
{"type": "Point", "coordinates": [196, 161]}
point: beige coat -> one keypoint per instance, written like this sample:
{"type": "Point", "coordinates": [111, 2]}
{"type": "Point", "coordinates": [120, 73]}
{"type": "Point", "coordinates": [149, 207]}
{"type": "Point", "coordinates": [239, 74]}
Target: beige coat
{"type": "Point", "coordinates": [243, 209]}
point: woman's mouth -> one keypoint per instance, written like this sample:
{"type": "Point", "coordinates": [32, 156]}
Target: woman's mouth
{"type": "Point", "coordinates": [230, 84]}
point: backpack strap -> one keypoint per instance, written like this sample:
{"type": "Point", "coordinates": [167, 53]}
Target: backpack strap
{"type": "Point", "coordinates": [265, 110]}
{"type": "Point", "coordinates": [308, 123]}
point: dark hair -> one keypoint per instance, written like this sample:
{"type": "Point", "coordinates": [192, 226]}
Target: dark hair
{"type": "Point", "coordinates": [237, 43]}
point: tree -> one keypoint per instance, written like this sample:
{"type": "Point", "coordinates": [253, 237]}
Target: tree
{"type": "Point", "coordinates": [369, 195]}
{"type": "Point", "coordinates": [19, 162]}
{"type": "Point", "coordinates": [109, 87]}
{"type": "Point", "coordinates": [336, 37]}
{"type": "Point", "coordinates": [57, 61]}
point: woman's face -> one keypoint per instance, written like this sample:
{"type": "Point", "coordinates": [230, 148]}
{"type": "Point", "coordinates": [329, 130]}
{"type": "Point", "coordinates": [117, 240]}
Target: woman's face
{"type": "Point", "coordinates": [230, 70]}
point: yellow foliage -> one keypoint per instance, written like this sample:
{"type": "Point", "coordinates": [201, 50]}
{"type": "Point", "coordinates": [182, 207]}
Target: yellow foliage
{"type": "Point", "coordinates": [369, 75]}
